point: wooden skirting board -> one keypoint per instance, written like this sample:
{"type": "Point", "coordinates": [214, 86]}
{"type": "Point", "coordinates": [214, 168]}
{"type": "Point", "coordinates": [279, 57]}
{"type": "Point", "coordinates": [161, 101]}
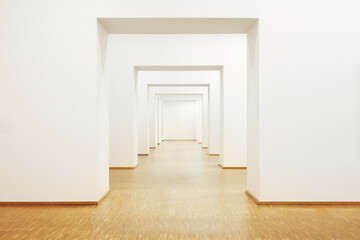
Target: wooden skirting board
{"type": "Point", "coordinates": [49, 203]}
{"type": "Point", "coordinates": [297, 202]}
{"type": "Point", "coordinates": [141, 155]}
{"type": "Point", "coordinates": [252, 196]}
{"type": "Point", "coordinates": [58, 203]}
{"type": "Point", "coordinates": [179, 140]}
{"type": "Point", "coordinates": [104, 196]}
{"type": "Point", "coordinates": [231, 167]}
{"type": "Point", "coordinates": [122, 168]}
{"type": "Point", "coordinates": [212, 154]}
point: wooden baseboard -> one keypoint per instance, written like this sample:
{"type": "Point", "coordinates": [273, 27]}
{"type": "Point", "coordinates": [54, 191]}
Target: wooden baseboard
{"type": "Point", "coordinates": [252, 197]}
{"type": "Point", "coordinates": [308, 203]}
{"type": "Point", "coordinates": [56, 203]}
{"type": "Point", "coordinates": [122, 168]}
{"type": "Point", "coordinates": [298, 202]}
{"type": "Point", "coordinates": [205, 147]}
{"type": "Point", "coordinates": [48, 203]}
{"type": "Point", "coordinates": [179, 140]}
{"type": "Point", "coordinates": [231, 167]}
{"type": "Point", "coordinates": [152, 147]}
{"type": "Point", "coordinates": [142, 155]}
{"type": "Point", "coordinates": [104, 196]}
{"type": "Point", "coordinates": [213, 154]}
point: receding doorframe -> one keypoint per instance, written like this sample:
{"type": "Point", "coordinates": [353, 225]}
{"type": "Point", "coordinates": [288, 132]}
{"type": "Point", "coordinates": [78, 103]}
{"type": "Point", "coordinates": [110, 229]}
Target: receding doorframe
{"type": "Point", "coordinates": [217, 68]}
{"type": "Point", "coordinates": [249, 26]}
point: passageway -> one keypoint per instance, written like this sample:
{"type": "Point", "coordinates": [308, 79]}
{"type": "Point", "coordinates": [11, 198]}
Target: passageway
{"type": "Point", "coordinates": [182, 174]}
{"type": "Point", "coordinates": [177, 192]}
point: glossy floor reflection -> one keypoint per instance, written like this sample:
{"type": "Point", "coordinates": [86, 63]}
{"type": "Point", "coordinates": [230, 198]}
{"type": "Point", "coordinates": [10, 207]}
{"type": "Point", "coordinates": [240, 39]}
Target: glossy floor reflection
{"type": "Point", "coordinates": [179, 192]}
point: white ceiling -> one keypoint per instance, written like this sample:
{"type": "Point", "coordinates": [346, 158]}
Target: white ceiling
{"type": "Point", "coordinates": [177, 25]}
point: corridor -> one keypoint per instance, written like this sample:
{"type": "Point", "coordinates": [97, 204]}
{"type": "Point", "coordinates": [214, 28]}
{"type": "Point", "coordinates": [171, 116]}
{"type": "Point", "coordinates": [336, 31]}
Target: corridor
{"type": "Point", "coordinates": [179, 192]}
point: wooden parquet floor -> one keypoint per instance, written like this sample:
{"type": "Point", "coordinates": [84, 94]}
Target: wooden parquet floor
{"type": "Point", "coordinates": [179, 192]}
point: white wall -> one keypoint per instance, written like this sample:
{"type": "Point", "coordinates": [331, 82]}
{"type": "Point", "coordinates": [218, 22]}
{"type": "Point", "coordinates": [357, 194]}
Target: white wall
{"type": "Point", "coordinates": [201, 116]}
{"type": "Point", "coordinates": [158, 114]}
{"type": "Point", "coordinates": [179, 119]}
{"type": "Point", "coordinates": [48, 102]}
{"type": "Point", "coordinates": [253, 164]}
{"type": "Point", "coordinates": [102, 139]}
{"type": "Point", "coordinates": [309, 110]}
{"type": "Point", "coordinates": [309, 92]}
{"type": "Point", "coordinates": [199, 120]}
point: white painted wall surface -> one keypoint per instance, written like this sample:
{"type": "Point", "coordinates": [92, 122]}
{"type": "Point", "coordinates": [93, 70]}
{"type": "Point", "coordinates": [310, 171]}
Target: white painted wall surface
{"type": "Point", "coordinates": [157, 119]}
{"type": "Point", "coordinates": [201, 116]}
{"type": "Point", "coordinates": [142, 124]}
{"type": "Point", "coordinates": [160, 130]}
{"type": "Point", "coordinates": [102, 139]}
{"type": "Point", "coordinates": [179, 119]}
{"type": "Point", "coordinates": [199, 120]}
{"type": "Point", "coordinates": [48, 102]}
{"type": "Point", "coordinates": [253, 158]}
{"type": "Point", "coordinates": [309, 109]}
{"type": "Point", "coordinates": [309, 93]}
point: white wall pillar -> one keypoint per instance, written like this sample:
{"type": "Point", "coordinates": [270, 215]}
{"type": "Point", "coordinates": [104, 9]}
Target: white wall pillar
{"type": "Point", "coordinates": [253, 163]}
{"type": "Point", "coordinates": [160, 121]}
{"type": "Point", "coordinates": [143, 116]}
{"type": "Point", "coordinates": [200, 119]}
{"type": "Point", "coordinates": [214, 118]}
